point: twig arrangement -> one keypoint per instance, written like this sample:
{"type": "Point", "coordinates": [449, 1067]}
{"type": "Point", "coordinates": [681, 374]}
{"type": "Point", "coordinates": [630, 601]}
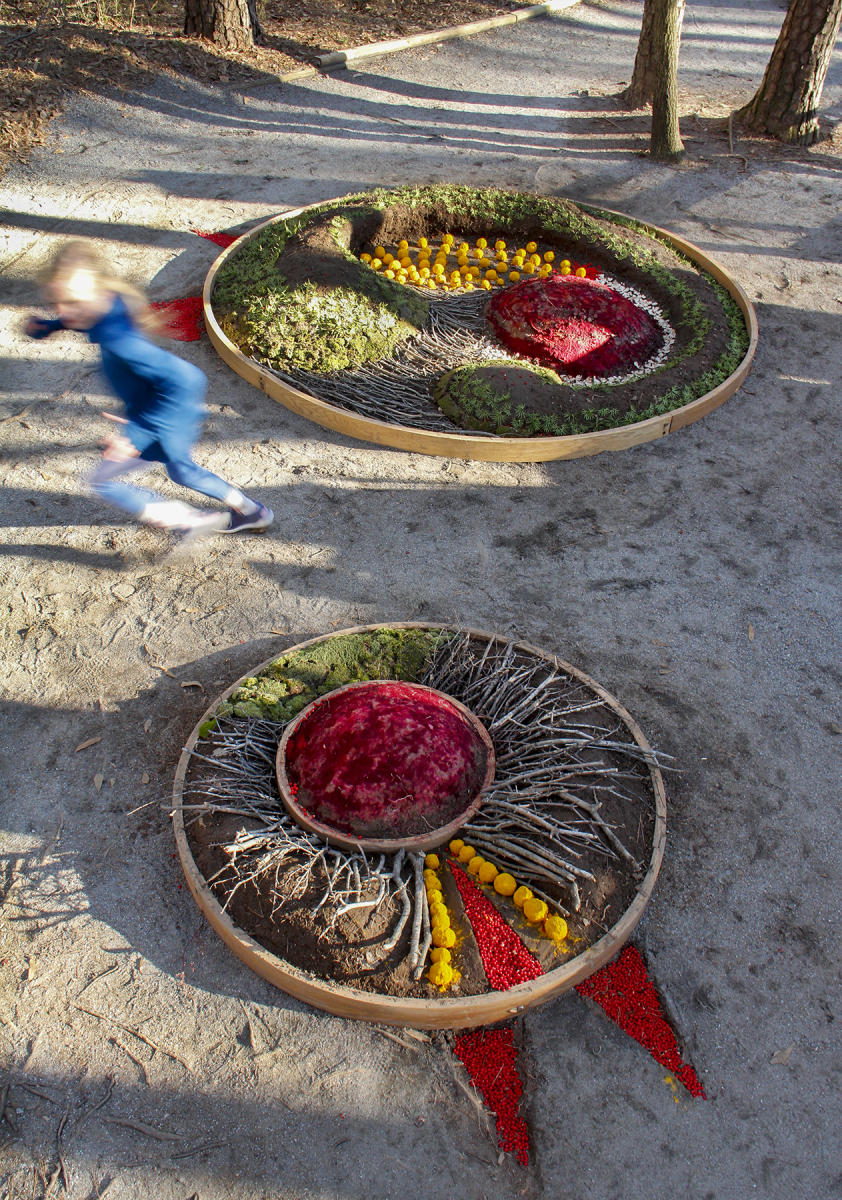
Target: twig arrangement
{"type": "Point", "coordinates": [399, 389]}
{"type": "Point", "coordinates": [561, 752]}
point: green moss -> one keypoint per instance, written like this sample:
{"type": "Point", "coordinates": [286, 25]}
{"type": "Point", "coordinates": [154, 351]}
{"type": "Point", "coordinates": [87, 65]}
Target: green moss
{"type": "Point", "coordinates": [309, 326]}
{"type": "Point", "coordinates": [310, 329]}
{"type": "Point", "coordinates": [293, 681]}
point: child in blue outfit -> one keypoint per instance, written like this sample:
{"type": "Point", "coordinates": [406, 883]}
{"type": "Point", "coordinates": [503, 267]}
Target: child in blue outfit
{"type": "Point", "coordinates": [162, 394]}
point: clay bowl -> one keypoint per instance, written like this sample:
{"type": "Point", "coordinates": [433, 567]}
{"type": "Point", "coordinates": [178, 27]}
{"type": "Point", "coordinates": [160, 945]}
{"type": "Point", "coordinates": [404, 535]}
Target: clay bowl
{"type": "Point", "coordinates": [384, 765]}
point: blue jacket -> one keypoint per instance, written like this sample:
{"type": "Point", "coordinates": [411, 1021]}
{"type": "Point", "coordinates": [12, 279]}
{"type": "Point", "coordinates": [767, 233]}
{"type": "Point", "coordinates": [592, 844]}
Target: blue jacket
{"type": "Point", "coordinates": [162, 393]}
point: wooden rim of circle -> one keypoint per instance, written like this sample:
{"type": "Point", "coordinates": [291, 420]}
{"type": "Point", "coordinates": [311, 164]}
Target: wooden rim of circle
{"type": "Point", "coordinates": [463, 444]}
{"type": "Point", "coordinates": [414, 844]}
{"type": "Point", "coordinates": [463, 1012]}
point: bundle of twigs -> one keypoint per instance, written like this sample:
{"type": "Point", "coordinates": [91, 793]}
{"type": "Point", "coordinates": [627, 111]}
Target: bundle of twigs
{"type": "Point", "coordinates": [561, 750]}
{"type": "Point", "coordinates": [399, 389]}
{"type": "Point", "coordinates": [238, 778]}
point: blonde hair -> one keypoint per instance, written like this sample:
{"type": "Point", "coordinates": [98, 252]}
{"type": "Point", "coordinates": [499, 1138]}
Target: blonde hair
{"type": "Point", "coordinates": [81, 256]}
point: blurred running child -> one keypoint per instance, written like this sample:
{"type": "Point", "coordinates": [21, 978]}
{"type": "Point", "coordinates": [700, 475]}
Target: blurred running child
{"type": "Point", "coordinates": [162, 396]}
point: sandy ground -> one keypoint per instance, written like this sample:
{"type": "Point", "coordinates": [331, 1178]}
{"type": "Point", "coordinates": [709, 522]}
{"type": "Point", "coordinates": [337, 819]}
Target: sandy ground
{"type": "Point", "coordinates": [697, 578]}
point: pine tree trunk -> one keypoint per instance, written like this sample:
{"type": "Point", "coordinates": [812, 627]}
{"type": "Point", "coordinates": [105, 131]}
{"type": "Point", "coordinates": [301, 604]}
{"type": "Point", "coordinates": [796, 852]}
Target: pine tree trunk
{"type": "Point", "coordinates": [232, 24]}
{"type": "Point", "coordinates": [786, 105]}
{"type": "Point", "coordinates": [665, 142]}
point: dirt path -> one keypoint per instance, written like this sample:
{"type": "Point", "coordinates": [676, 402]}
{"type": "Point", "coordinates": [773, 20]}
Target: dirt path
{"type": "Point", "coordinates": [697, 578]}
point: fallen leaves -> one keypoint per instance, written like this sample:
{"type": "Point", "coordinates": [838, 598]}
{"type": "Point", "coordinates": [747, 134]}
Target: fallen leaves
{"type": "Point", "coordinates": [781, 1057]}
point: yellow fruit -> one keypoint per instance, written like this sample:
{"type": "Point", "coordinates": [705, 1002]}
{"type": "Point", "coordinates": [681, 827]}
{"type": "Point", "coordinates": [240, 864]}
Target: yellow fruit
{"type": "Point", "coordinates": [502, 256]}
{"type": "Point", "coordinates": [444, 937]}
{"type": "Point", "coordinates": [380, 251]}
{"type": "Point", "coordinates": [438, 270]}
{"type": "Point", "coordinates": [581, 272]}
{"type": "Point", "coordinates": [549, 256]}
{"type": "Point", "coordinates": [431, 877]}
{"type": "Point", "coordinates": [528, 268]}
{"type": "Point", "coordinates": [365, 258]}
{"type": "Point", "coordinates": [531, 247]}
{"type": "Point", "coordinates": [431, 282]}
{"type": "Point", "coordinates": [555, 927]}
{"type": "Point", "coordinates": [475, 864]}
{"type": "Point", "coordinates": [389, 274]}
{"type": "Point", "coordinates": [521, 895]}
{"type": "Point", "coordinates": [376, 264]}
{"type": "Point", "coordinates": [424, 272]}
{"type": "Point", "coordinates": [440, 974]}
{"type": "Point", "coordinates": [536, 259]}
{"type": "Point", "coordinates": [481, 243]}
{"type": "Point", "coordinates": [448, 238]}
{"type": "Point", "coordinates": [514, 276]}
{"type": "Point", "coordinates": [505, 884]}
{"type": "Point", "coordinates": [469, 287]}
{"type": "Point", "coordinates": [403, 244]}
{"type": "Point", "coordinates": [464, 248]}
{"type": "Point", "coordinates": [475, 272]}
{"type": "Point", "coordinates": [565, 262]}
{"type": "Point", "coordinates": [488, 872]}
{"type": "Point", "coordinates": [535, 910]}
{"type": "Point", "coordinates": [432, 862]}
{"type": "Point", "coordinates": [388, 259]}
{"type": "Point", "coordinates": [440, 954]}
{"type": "Point", "coordinates": [455, 278]}
{"type": "Point", "coordinates": [466, 853]}
{"type": "Point", "coordinates": [434, 896]}
{"type": "Point", "coordinates": [491, 273]}
{"type": "Point", "coordinates": [499, 244]}
{"type": "Point", "coordinates": [563, 270]}
{"type": "Point", "coordinates": [439, 915]}
{"type": "Point", "coordinates": [423, 243]}
{"type": "Point", "coordinates": [401, 276]}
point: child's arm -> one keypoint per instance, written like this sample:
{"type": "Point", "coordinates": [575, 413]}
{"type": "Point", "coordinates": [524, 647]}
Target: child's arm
{"type": "Point", "coordinates": [40, 327]}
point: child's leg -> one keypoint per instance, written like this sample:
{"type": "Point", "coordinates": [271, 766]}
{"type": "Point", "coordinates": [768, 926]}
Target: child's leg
{"type": "Point", "coordinates": [139, 502]}
{"type": "Point", "coordinates": [103, 483]}
{"type": "Point", "coordinates": [190, 475]}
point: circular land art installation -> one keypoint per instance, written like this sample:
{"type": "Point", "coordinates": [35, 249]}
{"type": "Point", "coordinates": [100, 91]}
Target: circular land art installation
{"type": "Point", "coordinates": [528, 889]}
{"type": "Point", "coordinates": [480, 323]}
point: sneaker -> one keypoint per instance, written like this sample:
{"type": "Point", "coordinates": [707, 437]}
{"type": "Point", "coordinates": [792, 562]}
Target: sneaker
{"type": "Point", "coordinates": [260, 519]}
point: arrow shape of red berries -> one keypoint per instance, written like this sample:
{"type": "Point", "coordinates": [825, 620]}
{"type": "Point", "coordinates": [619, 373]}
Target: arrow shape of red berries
{"type": "Point", "coordinates": [623, 990]}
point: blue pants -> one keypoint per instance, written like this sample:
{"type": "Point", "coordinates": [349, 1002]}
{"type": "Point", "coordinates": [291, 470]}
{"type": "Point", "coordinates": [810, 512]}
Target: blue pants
{"type": "Point", "coordinates": [104, 482]}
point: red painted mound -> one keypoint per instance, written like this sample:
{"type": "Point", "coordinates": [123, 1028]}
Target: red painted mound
{"type": "Point", "coordinates": [385, 760]}
{"type": "Point", "coordinates": [576, 326]}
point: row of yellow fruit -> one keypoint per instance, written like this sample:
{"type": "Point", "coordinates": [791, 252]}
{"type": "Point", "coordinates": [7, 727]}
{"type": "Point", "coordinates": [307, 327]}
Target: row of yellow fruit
{"type": "Point", "coordinates": [486, 272]}
{"type": "Point", "coordinates": [442, 972]}
{"type": "Point", "coordinates": [535, 911]}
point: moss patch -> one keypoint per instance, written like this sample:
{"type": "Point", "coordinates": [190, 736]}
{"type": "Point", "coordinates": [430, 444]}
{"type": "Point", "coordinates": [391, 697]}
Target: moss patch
{"type": "Point", "coordinates": [290, 683]}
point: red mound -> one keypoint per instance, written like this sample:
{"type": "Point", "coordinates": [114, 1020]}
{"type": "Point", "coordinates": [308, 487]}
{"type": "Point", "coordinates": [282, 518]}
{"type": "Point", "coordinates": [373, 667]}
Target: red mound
{"type": "Point", "coordinates": [576, 326]}
{"type": "Point", "coordinates": [385, 760]}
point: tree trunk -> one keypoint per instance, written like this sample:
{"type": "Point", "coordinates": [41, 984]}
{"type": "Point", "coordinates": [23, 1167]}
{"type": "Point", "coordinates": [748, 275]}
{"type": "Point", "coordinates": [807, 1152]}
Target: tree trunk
{"type": "Point", "coordinates": [665, 143]}
{"type": "Point", "coordinates": [639, 92]}
{"type": "Point", "coordinates": [232, 24]}
{"type": "Point", "coordinates": [641, 89]}
{"type": "Point", "coordinates": [786, 105]}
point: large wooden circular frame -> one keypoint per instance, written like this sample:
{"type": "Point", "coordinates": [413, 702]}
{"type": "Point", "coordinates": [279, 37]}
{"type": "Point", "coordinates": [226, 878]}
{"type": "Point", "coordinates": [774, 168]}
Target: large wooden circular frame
{"type": "Point", "coordinates": [465, 445]}
{"type": "Point", "coordinates": [445, 1013]}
